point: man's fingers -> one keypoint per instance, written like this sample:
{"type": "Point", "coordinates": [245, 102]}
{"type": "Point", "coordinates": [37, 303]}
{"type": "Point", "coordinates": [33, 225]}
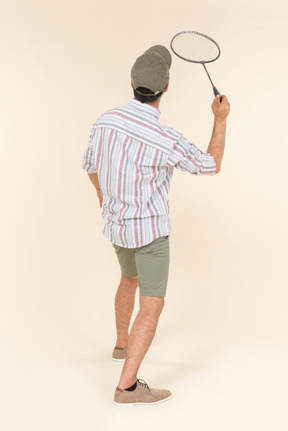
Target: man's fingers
{"type": "Point", "coordinates": [220, 109]}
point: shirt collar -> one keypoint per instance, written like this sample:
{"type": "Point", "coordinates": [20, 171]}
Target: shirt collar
{"type": "Point", "coordinates": [145, 108]}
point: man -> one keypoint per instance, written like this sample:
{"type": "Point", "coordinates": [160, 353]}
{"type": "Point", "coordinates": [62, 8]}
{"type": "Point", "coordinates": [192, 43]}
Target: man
{"type": "Point", "coordinates": [130, 159]}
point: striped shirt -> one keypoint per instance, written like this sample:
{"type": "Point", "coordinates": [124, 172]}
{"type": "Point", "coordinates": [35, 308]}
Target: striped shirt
{"type": "Point", "coordinates": [134, 157]}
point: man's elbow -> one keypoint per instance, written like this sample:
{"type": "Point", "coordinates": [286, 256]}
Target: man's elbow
{"type": "Point", "coordinates": [217, 163]}
{"type": "Point", "coordinates": [218, 169]}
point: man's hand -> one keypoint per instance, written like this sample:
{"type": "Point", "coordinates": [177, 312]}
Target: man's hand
{"type": "Point", "coordinates": [220, 109]}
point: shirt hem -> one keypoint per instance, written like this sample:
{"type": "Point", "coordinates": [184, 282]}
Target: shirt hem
{"type": "Point", "coordinates": [139, 245]}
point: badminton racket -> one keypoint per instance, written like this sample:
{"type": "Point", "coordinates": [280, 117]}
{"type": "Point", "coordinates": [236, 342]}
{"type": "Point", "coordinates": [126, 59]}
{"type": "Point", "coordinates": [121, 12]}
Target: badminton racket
{"type": "Point", "coordinates": [196, 47]}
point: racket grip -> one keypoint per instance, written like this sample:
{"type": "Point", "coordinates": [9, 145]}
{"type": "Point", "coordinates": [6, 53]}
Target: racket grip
{"type": "Point", "coordinates": [217, 93]}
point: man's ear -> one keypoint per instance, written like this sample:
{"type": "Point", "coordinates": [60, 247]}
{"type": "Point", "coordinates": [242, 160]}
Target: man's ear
{"type": "Point", "coordinates": [131, 84]}
{"type": "Point", "coordinates": [166, 88]}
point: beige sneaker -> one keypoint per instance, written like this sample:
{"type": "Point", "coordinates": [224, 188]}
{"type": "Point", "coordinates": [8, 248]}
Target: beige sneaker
{"type": "Point", "coordinates": [141, 395]}
{"type": "Point", "coordinates": [119, 353]}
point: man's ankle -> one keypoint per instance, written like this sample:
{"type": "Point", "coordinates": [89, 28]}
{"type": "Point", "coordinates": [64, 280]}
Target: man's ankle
{"type": "Point", "coordinates": [126, 384]}
{"type": "Point", "coordinates": [121, 343]}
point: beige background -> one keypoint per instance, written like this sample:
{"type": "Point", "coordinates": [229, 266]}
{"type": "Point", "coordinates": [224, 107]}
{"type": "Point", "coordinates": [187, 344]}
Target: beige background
{"type": "Point", "coordinates": [221, 345]}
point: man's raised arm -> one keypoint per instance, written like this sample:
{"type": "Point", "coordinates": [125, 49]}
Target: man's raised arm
{"type": "Point", "coordinates": [217, 143]}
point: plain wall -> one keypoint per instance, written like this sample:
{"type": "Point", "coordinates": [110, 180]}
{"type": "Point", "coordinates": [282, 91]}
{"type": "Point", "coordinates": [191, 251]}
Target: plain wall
{"type": "Point", "coordinates": [62, 65]}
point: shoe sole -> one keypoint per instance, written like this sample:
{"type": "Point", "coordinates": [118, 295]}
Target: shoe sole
{"type": "Point", "coordinates": [118, 360]}
{"type": "Point", "coordinates": [143, 404]}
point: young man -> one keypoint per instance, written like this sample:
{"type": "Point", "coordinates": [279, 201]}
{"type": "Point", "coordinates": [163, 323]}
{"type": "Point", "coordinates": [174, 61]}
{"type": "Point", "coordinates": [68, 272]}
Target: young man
{"type": "Point", "coordinates": [130, 159]}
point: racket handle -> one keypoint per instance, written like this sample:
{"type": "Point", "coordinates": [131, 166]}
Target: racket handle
{"type": "Point", "coordinates": [217, 93]}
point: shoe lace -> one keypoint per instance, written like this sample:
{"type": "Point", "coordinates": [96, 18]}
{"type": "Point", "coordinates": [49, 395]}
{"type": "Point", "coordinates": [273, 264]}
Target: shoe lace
{"type": "Point", "coordinates": [143, 383]}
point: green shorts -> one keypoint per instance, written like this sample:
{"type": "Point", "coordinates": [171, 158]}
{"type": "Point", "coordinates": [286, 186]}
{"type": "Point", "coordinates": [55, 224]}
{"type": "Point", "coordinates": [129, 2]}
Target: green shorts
{"type": "Point", "coordinates": [150, 263]}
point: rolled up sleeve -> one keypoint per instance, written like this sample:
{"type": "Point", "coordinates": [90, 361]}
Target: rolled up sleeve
{"type": "Point", "coordinates": [89, 155]}
{"type": "Point", "coordinates": [187, 157]}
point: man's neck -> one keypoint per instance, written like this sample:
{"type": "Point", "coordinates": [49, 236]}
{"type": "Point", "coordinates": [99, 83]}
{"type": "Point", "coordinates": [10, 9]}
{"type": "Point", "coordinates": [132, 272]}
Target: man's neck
{"type": "Point", "coordinates": [155, 104]}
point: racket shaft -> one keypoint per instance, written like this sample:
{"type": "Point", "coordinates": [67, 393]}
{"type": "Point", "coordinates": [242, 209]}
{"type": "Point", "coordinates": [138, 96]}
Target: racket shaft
{"type": "Point", "coordinates": [215, 91]}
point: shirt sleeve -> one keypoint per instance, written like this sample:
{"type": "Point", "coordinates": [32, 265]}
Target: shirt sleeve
{"type": "Point", "coordinates": [187, 157]}
{"type": "Point", "coordinates": [89, 155]}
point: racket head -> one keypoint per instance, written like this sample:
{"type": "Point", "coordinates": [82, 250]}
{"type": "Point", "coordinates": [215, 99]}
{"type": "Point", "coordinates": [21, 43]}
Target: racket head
{"type": "Point", "coordinates": [195, 47]}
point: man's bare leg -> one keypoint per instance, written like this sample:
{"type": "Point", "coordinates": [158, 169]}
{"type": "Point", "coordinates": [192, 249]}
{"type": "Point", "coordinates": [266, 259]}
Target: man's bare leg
{"type": "Point", "coordinates": [141, 336]}
{"type": "Point", "coordinates": [124, 304]}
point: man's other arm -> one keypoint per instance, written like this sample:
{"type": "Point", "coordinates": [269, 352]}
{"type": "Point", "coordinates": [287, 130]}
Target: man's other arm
{"type": "Point", "coordinates": [95, 181]}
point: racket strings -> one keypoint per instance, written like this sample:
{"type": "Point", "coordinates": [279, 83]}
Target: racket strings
{"type": "Point", "coordinates": [195, 47]}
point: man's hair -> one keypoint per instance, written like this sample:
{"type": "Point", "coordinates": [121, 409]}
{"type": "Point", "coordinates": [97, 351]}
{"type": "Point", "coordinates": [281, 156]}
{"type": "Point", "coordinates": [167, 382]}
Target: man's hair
{"type": "Point", "coordinates": [143, 98]}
